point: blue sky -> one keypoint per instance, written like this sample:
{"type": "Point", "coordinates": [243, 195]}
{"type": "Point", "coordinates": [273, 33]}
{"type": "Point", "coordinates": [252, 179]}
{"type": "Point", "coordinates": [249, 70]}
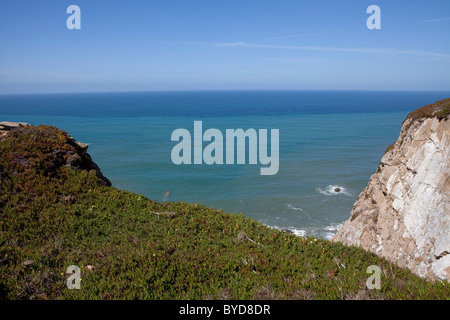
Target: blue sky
{"type": "Point", "coordinates": [145, 45]}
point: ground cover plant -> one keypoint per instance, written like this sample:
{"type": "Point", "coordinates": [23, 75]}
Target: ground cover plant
{"type": "Point", "coordinates": [56, 212]}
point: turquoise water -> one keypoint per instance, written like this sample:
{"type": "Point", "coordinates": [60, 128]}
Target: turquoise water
{"type": "Point", "coordinates": [327, 140]}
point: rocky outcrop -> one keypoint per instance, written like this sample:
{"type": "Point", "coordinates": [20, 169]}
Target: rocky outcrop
{"type": "Point", "coordinates": [66, 152]}
{"type": "Point", "coordinates": [404, 212]}
{"type": "Point", "coordinates": [6, 126]}
{"type": "Point", "coordinates": [82, 160]}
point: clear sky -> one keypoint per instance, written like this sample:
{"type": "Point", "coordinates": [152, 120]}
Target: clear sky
{"type": "Point", "coordinates": [140, 45]}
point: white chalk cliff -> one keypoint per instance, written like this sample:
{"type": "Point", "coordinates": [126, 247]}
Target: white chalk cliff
{"type": "Point", "coordinates": [404, 212]}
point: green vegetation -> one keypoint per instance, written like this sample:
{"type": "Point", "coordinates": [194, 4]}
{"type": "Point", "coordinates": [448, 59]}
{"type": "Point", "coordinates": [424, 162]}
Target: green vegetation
{"type": "Point", "coordinates": [53, 215]}
{"type": "Point", "coordinates": [439, 109]}
{"type": "Point", "coordinates": [445, 111]}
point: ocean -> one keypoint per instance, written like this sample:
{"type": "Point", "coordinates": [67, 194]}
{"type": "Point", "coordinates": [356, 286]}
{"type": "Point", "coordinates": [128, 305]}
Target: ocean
{"type": "Point", "coordinates": [327, 140]}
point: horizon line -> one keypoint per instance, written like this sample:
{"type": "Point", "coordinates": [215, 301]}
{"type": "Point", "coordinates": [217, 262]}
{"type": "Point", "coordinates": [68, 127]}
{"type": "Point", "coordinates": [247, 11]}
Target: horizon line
{"type": "Point", "coordinates": [212, 90]}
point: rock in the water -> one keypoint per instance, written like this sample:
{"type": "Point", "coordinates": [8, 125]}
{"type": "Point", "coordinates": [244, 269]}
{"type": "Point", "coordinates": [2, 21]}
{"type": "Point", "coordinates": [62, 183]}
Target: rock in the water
{"type": "Point", "coordinates": [337, 189]}
{"type": "Point", "coordinates": [404, 212]}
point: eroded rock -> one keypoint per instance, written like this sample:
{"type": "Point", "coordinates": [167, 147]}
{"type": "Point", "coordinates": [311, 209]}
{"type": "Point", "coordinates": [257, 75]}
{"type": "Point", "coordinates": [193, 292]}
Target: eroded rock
{"type": "Point", "coordinates": [404, 212]}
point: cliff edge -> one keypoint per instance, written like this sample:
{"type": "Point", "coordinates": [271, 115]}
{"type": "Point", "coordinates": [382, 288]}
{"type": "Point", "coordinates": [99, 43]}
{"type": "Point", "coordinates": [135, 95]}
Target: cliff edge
{"type": "Point", "coordinates": [403, 214]}
{"type": "Point", "coordinates": [61, 150]}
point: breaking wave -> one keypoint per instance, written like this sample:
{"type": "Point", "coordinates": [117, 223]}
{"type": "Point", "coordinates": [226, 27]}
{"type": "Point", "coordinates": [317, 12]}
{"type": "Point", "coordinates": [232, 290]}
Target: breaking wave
{"type": "Point", "coordinates": [333, 190]}
{"type": "Point", "coordinates": [326, 232]}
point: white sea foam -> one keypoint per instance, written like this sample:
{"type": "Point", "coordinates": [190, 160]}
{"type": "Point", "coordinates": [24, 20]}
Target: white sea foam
{"type": "Point", "coordinates": [290, 206]}
{"type": "Point", "coordinates": [296, 231]}
{"type": "Point", "coordinates": [330, 230]}
{"type": "Point", "coordinates": [326, 232]}
{"type": "Point", "coordinates": [332, 190]}
{"type": "Point", "coordinates": [333, 227]}
{"type": "Point", "coordinates": [328, 235]}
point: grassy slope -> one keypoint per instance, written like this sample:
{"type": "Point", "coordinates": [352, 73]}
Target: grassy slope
{"type": "Point", "coordinates": [58, 216]}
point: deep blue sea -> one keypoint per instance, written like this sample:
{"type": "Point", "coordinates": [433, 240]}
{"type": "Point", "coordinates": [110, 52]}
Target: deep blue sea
{"type": "Point", "coordinates": [327, 139]}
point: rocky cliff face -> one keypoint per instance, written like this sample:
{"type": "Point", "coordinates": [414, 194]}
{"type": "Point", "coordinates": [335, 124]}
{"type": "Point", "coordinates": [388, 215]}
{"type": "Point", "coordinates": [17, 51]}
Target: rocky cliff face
{"type": "Point", "coordinates": [404, 212]}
